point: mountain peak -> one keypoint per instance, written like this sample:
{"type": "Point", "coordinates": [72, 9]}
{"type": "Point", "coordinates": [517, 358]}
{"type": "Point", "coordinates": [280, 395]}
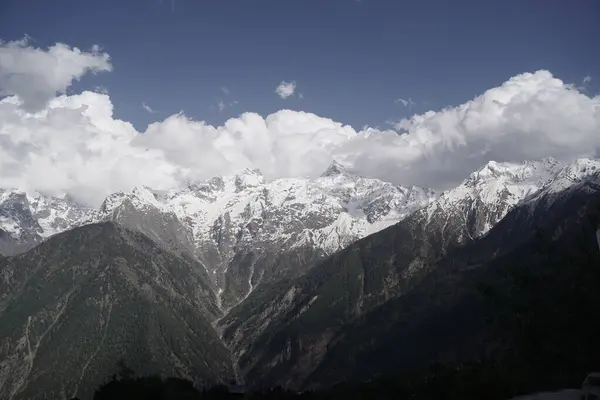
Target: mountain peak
{"type": "Point", "coordinates": [549, 161]}
{"type": "Point", "coordinates": [248, 172]}
{"type": "Point", "coordinates": [582, 169]}
{"type": "Point", "coordinates": [495, 168]}
{"type": "Point", "coordinates": [335, 169]}
{"type": "Point", "coordinates": [537, 170]}
{"type": "Point", "coordinates": [248, 178]}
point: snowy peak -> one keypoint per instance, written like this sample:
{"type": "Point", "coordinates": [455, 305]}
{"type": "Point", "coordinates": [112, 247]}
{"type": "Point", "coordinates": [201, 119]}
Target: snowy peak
{"type": "Point", "coordinates": [488, 194]}
{"type": "Point", "coordinates": [112, 201]}
{"type": "Point", "coordinates": [583, 169]}
{"type": "Point", "coordinates": [528, 171]}
{"type": "Point", "coordinates": [245, 179]}
{"type": "Point", "coordinates": [29, 217]}
{"type": "Point", "coordinates": [57, 214]}
{"type": "Point", "coordinates": [139, 197]}
{"type": "Point", "coordinates": [334, 169]}
{"type": "Point", "coordinates": [417, 194]}
{"type": "Point", "coordinates": [16, 217]}
{"type": "Point", "coordinates": [509, 181]}
{"type": "Point", "coordinates": [328, 212]}
{"type": "Point", "coordinates": [580, 169]}
{"type": "Point", "coordinates": [248, 178]}
{"type": "Point", "coordinates": [244, 210]}
{"type": "Point", "coordinates": [584, 174]}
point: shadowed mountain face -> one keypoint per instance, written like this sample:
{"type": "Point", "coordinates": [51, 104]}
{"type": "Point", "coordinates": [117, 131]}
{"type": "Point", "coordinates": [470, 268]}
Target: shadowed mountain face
{"type": "Point", "coordinates": [445, 317]}
{"type": "Point", "coordinates": [75, 306]}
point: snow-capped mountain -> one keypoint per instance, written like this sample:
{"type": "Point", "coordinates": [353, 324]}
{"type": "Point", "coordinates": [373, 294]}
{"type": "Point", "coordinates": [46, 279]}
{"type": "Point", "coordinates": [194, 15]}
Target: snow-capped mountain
{"type": "Point", "coordinates": [584, 172]}
{"type": "Point", "coordinates": [28, 218]}
{"type": "Point", "coordinates": [488, 194]}
{"type": "Point", "coordinates": [328, 212]}
{"type": "Point", "coordinates": [245, 230]}
{"type": "Point", "coordinates": [228, 221]}
{"type": "Point", "coordinates": [325, 321]}
{"type": "Point", "coordinates": [249, 255]}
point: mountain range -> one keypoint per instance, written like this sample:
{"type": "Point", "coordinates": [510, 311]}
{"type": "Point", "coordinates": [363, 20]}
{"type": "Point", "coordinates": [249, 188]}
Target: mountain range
{"type": "Point", "coordinates": [295, 282]}
{"type": "Point", "coordinates": [242, 229]}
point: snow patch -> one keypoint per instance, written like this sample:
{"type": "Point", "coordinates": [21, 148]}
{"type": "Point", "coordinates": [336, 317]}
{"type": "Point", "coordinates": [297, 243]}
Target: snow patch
{"type": "Point", "coordinates": [290, 295]}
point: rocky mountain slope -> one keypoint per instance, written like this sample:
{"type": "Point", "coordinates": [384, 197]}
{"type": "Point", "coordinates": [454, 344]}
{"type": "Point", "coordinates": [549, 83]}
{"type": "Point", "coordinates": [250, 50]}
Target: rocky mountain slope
{"type": "Point", "coordinates": [283, 334]}
{"type": "Point", "coordinates": [75, 306]}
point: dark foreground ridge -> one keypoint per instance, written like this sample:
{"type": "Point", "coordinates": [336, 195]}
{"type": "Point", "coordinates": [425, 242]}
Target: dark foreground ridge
{"type": "Point", "coordinates": [438, 382]}
{"type": "Point", "coordinates": [474, 381]}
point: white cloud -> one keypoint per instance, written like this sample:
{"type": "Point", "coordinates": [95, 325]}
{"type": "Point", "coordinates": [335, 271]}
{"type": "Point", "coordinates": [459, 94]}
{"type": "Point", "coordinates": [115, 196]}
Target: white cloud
{"type": "Point", "coordinates": [406, 102]}
{"type": "Point", "coordinates": [75, 144]}
{"type": "Point", "coordinates": [221, 105]}
{"type": "Point", "coordinates": [147, 108]}
{"type": "Point", "coordinates": [36, 75]}
{"type": "Point", "coordinates": [587, 80]}
{"type": "Point", "coordinates": [224, 90]}
{"type": "Point", "coordinates": [286, 89]}
{"type": "Point", "coordinates": [528, 117]}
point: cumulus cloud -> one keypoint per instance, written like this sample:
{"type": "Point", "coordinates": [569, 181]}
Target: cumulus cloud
{"type": "Point", "coordinates": [221, 105]}
{"type": "Point", "coordinates": [147, 108]}
{"type": "Point", "coordinates": [532, 115]}
{"type": "Point", "coordinates": [36, 75]}
{"type": "Point", "coordinates": [587, 80]}
{"type": "Point", "coordinates": [286, 89]}
{"type": "Point", "coordinates": [75, 144]}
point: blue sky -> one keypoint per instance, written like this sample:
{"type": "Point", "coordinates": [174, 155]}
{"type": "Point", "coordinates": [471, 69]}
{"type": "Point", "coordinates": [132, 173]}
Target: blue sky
{"type": "Point", "coordinates": [351, 59]}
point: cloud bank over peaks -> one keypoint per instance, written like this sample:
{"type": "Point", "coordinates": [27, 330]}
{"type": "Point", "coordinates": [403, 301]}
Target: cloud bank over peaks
{"type": "Point", "coordinates": [36, 75]}
{"type": "Point", "coordinates": [74, 145]}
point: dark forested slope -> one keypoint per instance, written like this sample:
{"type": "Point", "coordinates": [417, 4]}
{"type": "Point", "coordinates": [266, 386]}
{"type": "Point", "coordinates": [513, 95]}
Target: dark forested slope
{"type": "Point", "coordinates": [77, 304]}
